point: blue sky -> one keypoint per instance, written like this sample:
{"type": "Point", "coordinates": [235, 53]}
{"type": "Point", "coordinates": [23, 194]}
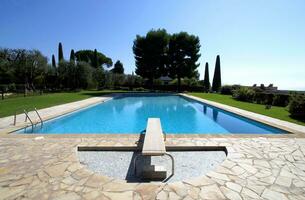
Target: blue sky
{"type": "Point", "coordinates": [258, 41]}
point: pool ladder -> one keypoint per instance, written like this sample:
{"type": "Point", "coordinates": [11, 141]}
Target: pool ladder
{"type": "Point", "coordinates": [28, 117]}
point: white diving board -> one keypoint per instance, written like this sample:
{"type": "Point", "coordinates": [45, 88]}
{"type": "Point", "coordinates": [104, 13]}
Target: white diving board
{"type": "Point", "coordinates": [154, 144]}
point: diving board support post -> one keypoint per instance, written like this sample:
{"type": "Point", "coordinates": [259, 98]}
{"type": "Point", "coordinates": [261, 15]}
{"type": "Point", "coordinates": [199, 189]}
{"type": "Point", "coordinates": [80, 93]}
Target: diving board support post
{"type": "Point", "coordinates": [154, 144]}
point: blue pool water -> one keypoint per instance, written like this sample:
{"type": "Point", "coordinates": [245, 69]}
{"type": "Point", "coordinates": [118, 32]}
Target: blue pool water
{"type": "Point", "coordinates": [129, 114]}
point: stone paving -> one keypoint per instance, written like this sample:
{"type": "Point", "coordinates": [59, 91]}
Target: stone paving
{"type": "Point", "coordinates": [37, 167]}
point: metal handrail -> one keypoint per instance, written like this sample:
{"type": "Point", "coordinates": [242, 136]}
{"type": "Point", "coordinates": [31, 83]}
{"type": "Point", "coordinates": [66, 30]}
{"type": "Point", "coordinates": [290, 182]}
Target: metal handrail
{"type": "Point", "coordinates": [164, 134]}
{"type": "Point", "coordinates": [27, 117]}
{"type": "Point", "coordinates": [41, 121]}
{"type": "Point", "coordinates": [15, 118]}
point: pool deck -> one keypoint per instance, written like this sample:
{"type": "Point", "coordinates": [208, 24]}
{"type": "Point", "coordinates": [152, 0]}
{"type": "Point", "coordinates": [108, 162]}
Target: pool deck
{"type": "Point", "coordinates": [47, 166]}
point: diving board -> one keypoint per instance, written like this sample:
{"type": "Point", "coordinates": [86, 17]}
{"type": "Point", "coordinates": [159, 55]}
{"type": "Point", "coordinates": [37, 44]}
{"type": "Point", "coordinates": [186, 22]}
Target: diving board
{"type": "Point", "coordinates": [154, 145]}
{"type": "Point", "coordinates": [154, 141]}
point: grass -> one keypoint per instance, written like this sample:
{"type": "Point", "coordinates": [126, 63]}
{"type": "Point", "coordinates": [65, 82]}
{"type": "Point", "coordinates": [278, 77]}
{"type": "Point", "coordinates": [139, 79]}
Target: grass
{"type": "Point", "coordinates": [17, 104]}
{"type": "Point", "coordinates": [275, 112]}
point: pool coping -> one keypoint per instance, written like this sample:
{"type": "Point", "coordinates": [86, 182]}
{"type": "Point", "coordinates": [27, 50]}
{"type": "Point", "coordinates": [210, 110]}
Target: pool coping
{"type": "Point", "coordinates": [292, 129]}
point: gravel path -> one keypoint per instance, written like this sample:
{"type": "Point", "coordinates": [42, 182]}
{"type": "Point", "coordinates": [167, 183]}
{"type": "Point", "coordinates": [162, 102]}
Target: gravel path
{"type": "Point", "coordinates": [118, 164]}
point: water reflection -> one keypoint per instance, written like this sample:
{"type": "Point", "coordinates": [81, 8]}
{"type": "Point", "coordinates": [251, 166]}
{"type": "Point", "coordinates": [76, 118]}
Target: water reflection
{"type": "Point", "coordinates": [205, 109]}
{"type": "Point", "coordinates": [215, 114]}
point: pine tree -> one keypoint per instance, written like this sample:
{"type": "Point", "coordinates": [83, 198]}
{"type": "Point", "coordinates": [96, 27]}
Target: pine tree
{"type": "Point", "coordinates": [53, 61]}
{"type": "Point", "coordinates": [217, 76]}
{"type": "Point", "coordinates": [118, 68]}
{"type": "Point", "coordinates": [206, 81]}
{"type": "Point", "coordinates": [60, 53]}
{"type": "Point", "coordinates": [72, 56]}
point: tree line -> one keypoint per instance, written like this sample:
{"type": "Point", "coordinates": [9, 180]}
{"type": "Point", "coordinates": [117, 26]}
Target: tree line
{"type": "Point", "coordinates": [159, 53]}
{"type": "Point", "coordinates": [23, 69]}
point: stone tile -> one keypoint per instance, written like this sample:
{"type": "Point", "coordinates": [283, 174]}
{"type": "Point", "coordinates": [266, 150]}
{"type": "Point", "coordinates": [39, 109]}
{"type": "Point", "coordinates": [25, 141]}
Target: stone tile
{"type": "Point", "coordinates": [269, 179]}
{"type": "Point", "coordinates": [23, 181]}
{"type": "Point", "coordinates": [299, 183]}
{"type": "Point", "coordinates": [211, 192]}
{"type": "Point", "coordinates": [228, 164]}
{"type": "Point", "coordinates": [174, 196]}
{"type": "Point", "coordinates": [162, 195]}
{"type": "Point", "coordinates": [147, 191]}
{"type": "Point", "coordinates": [128, 195]}
{"type": "Point", "coordinates": [272, 195]}
{"type": "Point", "coordinates": [193, 192]}
{"type": "Point", "coordinates": [179, 188]}
{"type": "Point", "coordinates": [92, 195]}
{"type": "Point", "coordinates": [287, 173]}
{"type": "Point", "coordinates": [200, 181]}
{"type": "Point", "coordinates": [218, 176]}
{"type": "Point", "coordinates": [281, 189]}
{"type": "Point", "coordinates": [258, 189]}
{"type": "Point", "coordinates": [230, 194]}
{"type": "Point", "coordinates": [96, 181]}
{"type": "Point", "coordinates": [11, 192]}
{"type": "Point", "coordinates": [70, 196]}
{"type": "Point", "coordinates": [56, 170]}
{"type": "Point", "coordinates": [248, 168]}
{"type": "Point", "coordinates": [234, 186]}
{"type": "Point", "coordinates": [237, 170]}
{"type": "Point", "coordinates": [283, 181]}
{"type": "Point", "coordinates": [249, 193]}
{"type": "Point", "coordinates": [117, 186]}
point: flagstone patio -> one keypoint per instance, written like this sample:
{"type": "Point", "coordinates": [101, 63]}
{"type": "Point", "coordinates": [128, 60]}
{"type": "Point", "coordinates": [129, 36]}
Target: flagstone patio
{"type": "Point", "coordinates": [47, 167]}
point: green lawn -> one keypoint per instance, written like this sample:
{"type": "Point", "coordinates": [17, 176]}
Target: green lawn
{"type": "Point", "coordinates": [18, 104]}
{"type": "Point", "coordinates": [275, 112]}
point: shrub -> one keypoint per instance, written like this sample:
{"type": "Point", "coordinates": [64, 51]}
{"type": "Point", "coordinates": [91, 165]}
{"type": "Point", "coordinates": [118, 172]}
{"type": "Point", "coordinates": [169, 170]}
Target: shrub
{"type": "Point", "coordinates": [140, 89]}
{"type": "Point", "coordinates": [192, 82]}
{"type": "Point", "coordinates": [297, 106]}
{"type": "Point", "coordinates": [175, 82]}
{"type": "Point", "coordinates": [3, 88]}
{"type": "Point", "coordinates": [244, 94]}
{"type": "Point", "coordinates": [158, 82]}
{"type": "Point", "coordinates": [229, 89]}
{"type": "Point", "coordinates": [280, 100]}
{"type": "Point", "coordinates": [263, 98]}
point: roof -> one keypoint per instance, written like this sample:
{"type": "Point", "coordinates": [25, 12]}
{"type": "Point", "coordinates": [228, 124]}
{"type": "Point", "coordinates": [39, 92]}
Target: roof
{"type": "Point", "coordinates": [165, 78]}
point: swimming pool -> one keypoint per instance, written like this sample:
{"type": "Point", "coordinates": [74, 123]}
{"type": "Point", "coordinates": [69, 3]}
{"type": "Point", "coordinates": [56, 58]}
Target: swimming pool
{"type": "Point", "coordinates": [129, 114]}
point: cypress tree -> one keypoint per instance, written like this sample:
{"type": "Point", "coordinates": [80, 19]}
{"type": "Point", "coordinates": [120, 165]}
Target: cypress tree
{"type": "Point", "coordinates": [53, 61]}
{"type": "Point", "coordinates": [217, 76]}
{"type": "Point", "coordinates": [95, 59]}
{"type": "Point", "coordinates": [72, 56]}
{"type": "Point", "coordinates": [206, 81]}
{"type": "Point", "coordinates": [60, 53]}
